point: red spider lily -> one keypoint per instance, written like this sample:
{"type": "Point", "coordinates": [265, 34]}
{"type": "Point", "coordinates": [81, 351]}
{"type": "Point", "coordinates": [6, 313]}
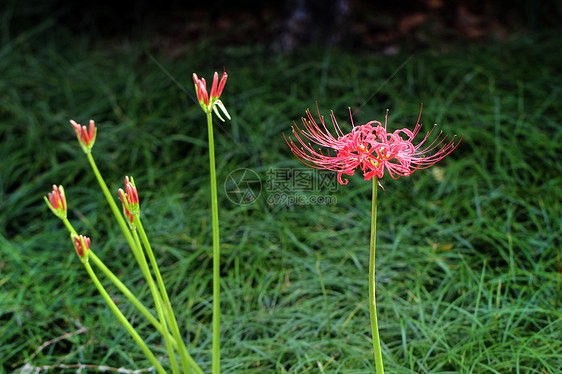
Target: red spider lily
{"type": "Point", "coordinates": [57, 201]}
{"type": "Point", "coordinates": [401, 157]}
{"type": "Point", "coordinates": [368, 147]}
{"type": "Point", "coordinates": [212, 102]}
{"type": "Point", "coordinates": [82, 245]}
{"type": "Point", "coordinates": [86, 137]}
{"type": "Point", "coordinates": [130, 199]}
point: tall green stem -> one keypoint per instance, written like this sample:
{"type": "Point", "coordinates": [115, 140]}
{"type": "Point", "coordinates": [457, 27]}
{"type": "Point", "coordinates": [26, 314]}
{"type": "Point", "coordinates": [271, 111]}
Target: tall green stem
{"type": "Point", "coordinates": [137, 252]}
{"type": "Point", "coordinates": [216, 249]}
{"type": "Point", "coordinates": [132, 298]}
{"type": "Point", "coordinates": [112, 204]}
{"type": "Point", "coordinates": [123, 320]}
{"type": "Point", "coordinates": [139, 255]}
{"type": "Point", "coordinates": [372, 298]}
{"type": "Point", "coordinates": [186, 359]}
{"type": "Point", "coordinates": [159, 307]}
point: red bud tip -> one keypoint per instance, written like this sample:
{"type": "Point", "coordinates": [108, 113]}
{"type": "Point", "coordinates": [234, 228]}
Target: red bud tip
{"type": "Point", "coordinates": [121, 195]}
{"type": "Point", "coordinates": [214, 86]}
{"type": "Point", "coordinates": [75, 125]}
{"type": "Point", "coordinates": [222, 83]}
{"type": "Point", "coordinates": [92, 130]}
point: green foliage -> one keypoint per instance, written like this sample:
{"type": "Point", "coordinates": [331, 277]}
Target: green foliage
{"type": "Point", "coordinates": [468, 263]}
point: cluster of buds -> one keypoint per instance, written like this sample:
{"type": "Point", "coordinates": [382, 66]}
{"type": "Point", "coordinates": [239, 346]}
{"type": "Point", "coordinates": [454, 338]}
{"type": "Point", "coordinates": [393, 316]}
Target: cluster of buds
{"type": "Point", "coordinates": [86, 137]}
{"type": "Point", "coordinates": [82, 246]}
{"type": "Point", "coordinates": [130, 200]}
{"type": "Point", "coordinates": [211, 102]}
{"type": "Point", "coordinates": [57, 201]}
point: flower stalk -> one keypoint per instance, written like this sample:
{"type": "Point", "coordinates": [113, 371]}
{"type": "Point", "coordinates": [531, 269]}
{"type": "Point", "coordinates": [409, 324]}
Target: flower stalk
{"type": "Point", "coordinates": [216, 250]}
{"type": "Point", "coordinates": [130, 329]}
{"type": "Point", "coordinates": [210, 105]}
{"type": "Point", "coordinates": [372, 284]}
{"type": "Point", "coordinates": [186, 359]}
{"type": "Point", "coordinates": [131, 211]}
{"type": "Point", "coordinates": [124, 290]}
{"type": "Point", "coordinates": [82, 247]}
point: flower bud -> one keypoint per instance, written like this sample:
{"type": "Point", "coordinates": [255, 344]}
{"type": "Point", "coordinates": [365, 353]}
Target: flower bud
{"type": "Point", "coordinates": [86, 137]}
{"type": "Point", "coordinates": [82, 246]}
{"type": "Point", "coordinates": [210, 103]}
{"type": "Point", "coordinates": [57, 201]}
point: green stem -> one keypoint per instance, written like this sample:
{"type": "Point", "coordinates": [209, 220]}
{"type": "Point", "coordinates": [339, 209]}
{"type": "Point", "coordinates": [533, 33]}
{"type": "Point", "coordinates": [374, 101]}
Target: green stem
{"type": "Point", "coordinates": [111, 202]}
{"type": "Point", "coordinates": [216, 249]}
{"type": "Point", "coordinates": [69, 226]}
{"type": "Point", "coordinates": [186, 359]}
{"type": "Point", "coordinates": [137, 251]}
{"type": "Point", "coordinates": [372, 298]}
{"type": "Point", "coordinates": [159, 307]}
{"type": "Point", "coordinates": [112, 277]}
{"type": "Point", "coordinates": [128, 294]}
{"type": "Point", "coordinates": [123, 320]}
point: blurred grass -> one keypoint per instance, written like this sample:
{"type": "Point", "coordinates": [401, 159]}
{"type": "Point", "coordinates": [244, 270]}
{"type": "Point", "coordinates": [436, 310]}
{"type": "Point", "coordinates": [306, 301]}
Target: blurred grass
{"type": "Point", "coordinates": [468, 265]}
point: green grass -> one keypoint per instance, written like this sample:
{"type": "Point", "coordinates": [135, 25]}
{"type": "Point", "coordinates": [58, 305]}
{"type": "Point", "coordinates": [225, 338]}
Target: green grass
{"type": "Point", "coordinates": [468, 262]}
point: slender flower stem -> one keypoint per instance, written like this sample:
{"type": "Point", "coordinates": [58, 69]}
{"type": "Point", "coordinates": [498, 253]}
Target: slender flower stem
{"type": "Point", "coordinates": [69, 226]}
{"type": "Point", "coordinates": [216, 250]}
{"type": "Point", "coordinates": [161, 327]}
{"type": "Point", "coordinates": [159, 307]}
{"type": "Point", "coordinates": [123, 320]}
{"type": "Point", "coordinates": [112, 204]}
{"type": "Point", "coordinates": [137, 251]}
{"type": "Point", "coordinates": [372, 298]}
{"type": "Point", "coordinates": [129, 295]}
{"type": "Point", "coordinates": [112, 277]}
{"type": "Point", "coordinates": [186, 359]}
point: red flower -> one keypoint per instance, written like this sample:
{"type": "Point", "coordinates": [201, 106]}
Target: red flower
{"type": "Point", "coordinates": [368, 147]}
{"type": "Point", "coordinates": [57, 201]}
{"type": "Point", "coordinates": [212, 102]}
{"type": "Point", "coordinates": [82, 245]}
{"type": "Point", "coordinates": [86, 137]}
{"type": "Point", "coordinates": [130, 199]}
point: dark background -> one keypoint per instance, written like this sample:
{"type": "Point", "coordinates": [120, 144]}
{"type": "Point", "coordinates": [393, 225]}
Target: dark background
{"type": "Point", "coordinates": [352, 24]}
